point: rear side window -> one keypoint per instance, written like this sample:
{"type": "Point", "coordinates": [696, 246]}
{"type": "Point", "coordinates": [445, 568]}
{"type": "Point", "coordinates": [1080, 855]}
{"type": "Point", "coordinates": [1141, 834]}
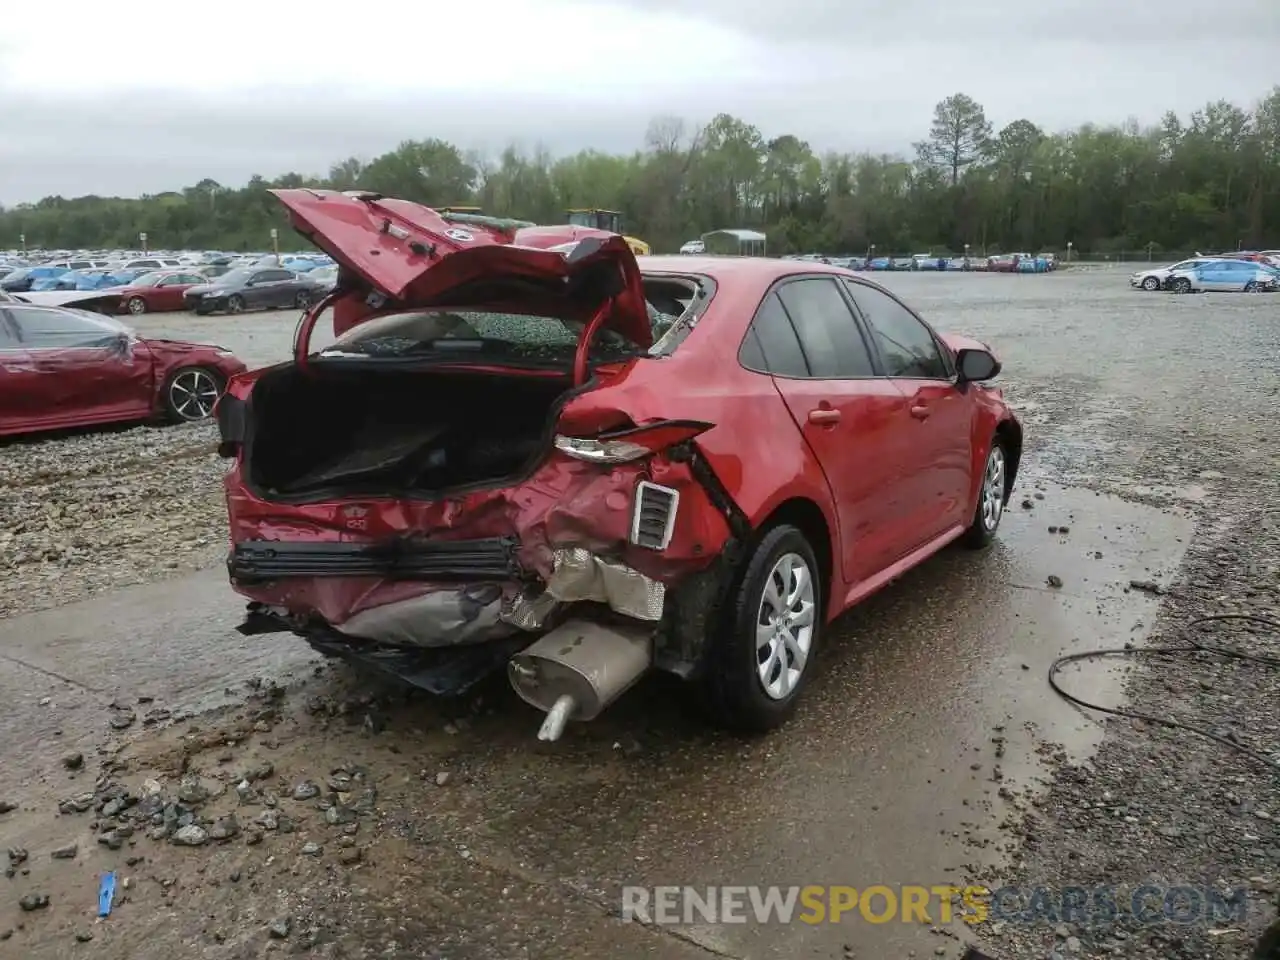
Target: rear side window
{"type": "Point", "coordinates": [774, 347]}
{"type": "Point", "coordinates": [827, 330]}
{"type": "Point", "coordinates": [53, 329]}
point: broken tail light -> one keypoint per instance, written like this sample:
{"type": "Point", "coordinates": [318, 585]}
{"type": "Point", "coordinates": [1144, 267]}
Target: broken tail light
{"type": "Point", "coordinates": [629, 445]}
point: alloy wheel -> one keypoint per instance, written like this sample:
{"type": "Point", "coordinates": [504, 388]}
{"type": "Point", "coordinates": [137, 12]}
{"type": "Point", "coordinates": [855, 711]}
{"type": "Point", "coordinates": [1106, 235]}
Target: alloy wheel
{"type": "Point", "coordinates": [993, 489]}
{"type": "Point", "coordinates": [192, 394]}
{"type": "Point", "coordinates": [785, 626]}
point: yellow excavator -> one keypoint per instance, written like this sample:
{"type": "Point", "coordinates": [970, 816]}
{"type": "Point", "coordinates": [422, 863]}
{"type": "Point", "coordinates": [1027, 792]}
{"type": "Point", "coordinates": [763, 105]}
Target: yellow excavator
{"type": "Point", "coordinates": [610, 220]}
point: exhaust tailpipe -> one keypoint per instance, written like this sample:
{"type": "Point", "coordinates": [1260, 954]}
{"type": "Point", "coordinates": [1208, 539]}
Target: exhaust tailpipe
{"type": "Point", "coordinates": [578, 669]}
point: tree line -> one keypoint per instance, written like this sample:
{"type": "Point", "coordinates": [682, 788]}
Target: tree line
{"type": "Point", "coordinates": [1210, 180]}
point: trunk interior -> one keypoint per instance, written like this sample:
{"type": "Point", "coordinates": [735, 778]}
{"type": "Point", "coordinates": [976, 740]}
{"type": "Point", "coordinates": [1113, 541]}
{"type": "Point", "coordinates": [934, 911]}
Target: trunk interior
{"type": "Point", "coordinates": [394, 432]}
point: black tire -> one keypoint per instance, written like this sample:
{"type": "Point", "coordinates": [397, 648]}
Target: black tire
{"type": "Point", "coordinates": [1151, 284]}
{"type": "Point", "coordinates": [983, 526]}
{"type": "Point", "coordinates": [736, 696]}
{"type": "Point", "coordinates": [1181, 285]}
{"type": "Point", "coordinates": [136, 306]}
{"type": "Point", "coordinates": [1251, 286]}
{"type": "Point", "coordinates": [302, 301]}
{"type": "Point", "coordinates": [235, 303]}
{"type": "Point", "coordinates": [176, 412]}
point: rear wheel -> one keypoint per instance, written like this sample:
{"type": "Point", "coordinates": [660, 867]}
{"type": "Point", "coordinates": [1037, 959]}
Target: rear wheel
{"type": "Point", "coordinates": [191, 394]}
{"type": "Point", "coordinates": [1181, 285]}
{"type": "Point", "coordinates": [302, 301]}
{"type": "Point", "coordinates": [1151, 283]}
{"type": "Point", "coordinates": [992, 497]}
{"type": "Point", "coordinates": [762, 651]}
{"type": "Point", "coordinates": [235, 303]}
{"type": "Point", "coordinates": [137, 305]}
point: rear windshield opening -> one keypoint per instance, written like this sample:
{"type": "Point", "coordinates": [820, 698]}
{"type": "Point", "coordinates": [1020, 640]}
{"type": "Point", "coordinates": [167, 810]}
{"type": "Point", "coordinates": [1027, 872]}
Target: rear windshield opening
{"type": "Point", "coordinates": [477, 334]}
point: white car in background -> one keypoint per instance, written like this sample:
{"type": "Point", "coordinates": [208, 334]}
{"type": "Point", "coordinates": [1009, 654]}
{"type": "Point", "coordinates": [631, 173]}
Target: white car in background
{"type": "Point", "coordinates": [694, 247]}
{"type": "Point", "coordinates": [1154, 279]}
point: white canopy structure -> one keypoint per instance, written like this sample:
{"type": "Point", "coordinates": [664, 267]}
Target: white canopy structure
{"type": "Point", "coordinates": [738, 243]}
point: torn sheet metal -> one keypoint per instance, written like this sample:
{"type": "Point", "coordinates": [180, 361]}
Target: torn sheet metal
{"type": "Point", "coordinates": [481, 612]}
{"type": "Point", "coordinates": [441, 618]}
{"type": "Point", "coordinates": [531, 610]}
{"type": "Point", "coordinates": [581, 575]}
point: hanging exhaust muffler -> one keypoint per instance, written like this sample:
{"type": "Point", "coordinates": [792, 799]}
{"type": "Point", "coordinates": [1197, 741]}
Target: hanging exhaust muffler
{"type": "Point", "coordinates": [579, 668]}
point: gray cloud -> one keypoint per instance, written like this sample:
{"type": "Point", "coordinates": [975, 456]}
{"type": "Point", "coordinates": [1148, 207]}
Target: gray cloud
{"type": "Point", "coordinates": [843, 77]}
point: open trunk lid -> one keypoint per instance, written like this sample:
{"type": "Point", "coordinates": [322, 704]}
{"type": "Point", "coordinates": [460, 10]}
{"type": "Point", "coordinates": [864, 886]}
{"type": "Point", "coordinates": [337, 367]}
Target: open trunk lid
{"type": "Point", "coordinates": [411, 256]}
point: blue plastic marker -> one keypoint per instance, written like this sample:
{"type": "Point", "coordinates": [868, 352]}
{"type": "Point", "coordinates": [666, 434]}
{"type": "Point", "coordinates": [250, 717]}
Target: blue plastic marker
{"type": "Point", "coordinates": [106, 893]}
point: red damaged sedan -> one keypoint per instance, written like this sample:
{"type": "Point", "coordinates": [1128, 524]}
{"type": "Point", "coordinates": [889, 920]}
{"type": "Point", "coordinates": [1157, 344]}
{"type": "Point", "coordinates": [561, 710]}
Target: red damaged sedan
{"type": "Point", "coordinates": [63, 368]}
{"type": "Point", "coordinates": [580, 467]}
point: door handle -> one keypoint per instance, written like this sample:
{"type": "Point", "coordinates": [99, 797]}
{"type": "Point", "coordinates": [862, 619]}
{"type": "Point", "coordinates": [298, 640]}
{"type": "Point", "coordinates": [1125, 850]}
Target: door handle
{"type": "Point", "coordinates": [824, 416]}
{"type": "Point", "coordinates": [920, 411]}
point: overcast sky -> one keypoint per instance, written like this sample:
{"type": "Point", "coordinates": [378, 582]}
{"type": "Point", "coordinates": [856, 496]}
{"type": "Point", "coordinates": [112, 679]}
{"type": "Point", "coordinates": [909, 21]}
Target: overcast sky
{"type": "Point", "coordinates": [109, 99]}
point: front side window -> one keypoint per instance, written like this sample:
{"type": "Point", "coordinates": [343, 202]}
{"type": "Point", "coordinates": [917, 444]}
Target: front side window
{"type": "Point", "coordinates": [906, 345]}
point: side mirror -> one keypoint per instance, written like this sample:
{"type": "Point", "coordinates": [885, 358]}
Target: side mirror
{"type": "Point", "coordinates": [974, 366]}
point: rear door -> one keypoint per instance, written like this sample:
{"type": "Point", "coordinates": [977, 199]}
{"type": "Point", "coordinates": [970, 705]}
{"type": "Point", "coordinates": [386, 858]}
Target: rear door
{"type": "Point", "coordinates": [169, 291]}
{"type": "Point", "coordinates": [810, 341]}
{"type": "Point", "coordinates": [939, 416]}
{"type": "Point", "coordinates": [1214, 276]}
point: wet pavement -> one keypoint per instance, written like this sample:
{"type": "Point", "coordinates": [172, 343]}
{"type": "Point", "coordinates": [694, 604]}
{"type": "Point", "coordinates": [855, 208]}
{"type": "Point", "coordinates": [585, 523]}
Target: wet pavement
{"type": "Point", "coordinates": [922, 734]}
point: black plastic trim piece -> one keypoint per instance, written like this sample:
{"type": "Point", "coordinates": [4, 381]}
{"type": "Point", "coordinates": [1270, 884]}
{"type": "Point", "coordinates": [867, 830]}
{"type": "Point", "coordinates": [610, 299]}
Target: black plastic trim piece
{"type": "Point", "coordinates": [492, 558]}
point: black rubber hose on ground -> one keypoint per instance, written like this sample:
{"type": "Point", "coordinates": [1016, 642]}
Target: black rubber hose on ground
{"type": "Point", "coordinates": [1192, 646]}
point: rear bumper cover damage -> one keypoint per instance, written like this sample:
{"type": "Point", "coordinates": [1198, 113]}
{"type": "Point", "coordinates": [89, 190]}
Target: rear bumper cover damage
{"type": "Point", "coordinates": [375, 585]}
{"type": "Point", "coordinates": [449, 638]}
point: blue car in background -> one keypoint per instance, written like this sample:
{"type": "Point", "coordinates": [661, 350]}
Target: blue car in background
{"type": "Point", "coordinates": [96, 279]}
{"type": "Point", "coordinates": [299, 264]}
{"type": "Point", "coordinates": [927, 261]}
{"type": "Point", "coordinates": [880, 263]}
{"type": "Point", "coordinates": [21, 281]}
{"type": "Point", "coordinates": [1224, 275]}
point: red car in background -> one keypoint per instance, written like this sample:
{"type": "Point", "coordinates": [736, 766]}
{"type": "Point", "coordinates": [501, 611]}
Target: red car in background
{"type": "Point", "coordinates": [581, 466]}
{"type": "Point", "coordinates": [62, 368]}
{"type": "Point", "coordinates": [155, 292]}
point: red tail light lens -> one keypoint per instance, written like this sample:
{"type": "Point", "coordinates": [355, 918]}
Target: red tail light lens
{"type": "Point", "coordinates": [628, 445]}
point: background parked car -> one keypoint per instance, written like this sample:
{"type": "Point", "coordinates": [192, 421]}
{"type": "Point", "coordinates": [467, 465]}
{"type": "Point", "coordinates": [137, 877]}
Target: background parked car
{"type": "Point", "coordinates": [254, 288]}
{"type": "Point", "coordinates": [326, 277]}
{"type": "Point", "coordinates": [155, 263]}
{"type": "Point", "coordinates": [21, 281]}
{"type": "Point", "coordinates": [71, 368]}
{"type": "Point", "coordinates": [1155, 278]}
{"type": "Point", "coordinates": [156, 291]}
{"type": "Point", "coordinates": [1224, 276]}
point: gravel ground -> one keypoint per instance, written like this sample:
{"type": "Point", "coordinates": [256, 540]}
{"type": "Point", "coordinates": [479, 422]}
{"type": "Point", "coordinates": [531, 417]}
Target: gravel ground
{"type": "Point", "coordinates": [1149, 405]}
{"type": "Point", "coordinates": [1165, 806]}
{"type": "Point", "coordinates": [89, 512]}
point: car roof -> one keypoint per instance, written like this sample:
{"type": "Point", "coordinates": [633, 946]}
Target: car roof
{"type": "Point", "coordinates": [722, 269]}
